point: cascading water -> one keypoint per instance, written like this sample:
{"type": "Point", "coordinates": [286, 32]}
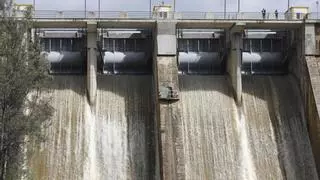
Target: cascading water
{"type": "Point", "coordinates": [247, 169]}
{"type": "Point", "coordinates": [210, 136]}
{"type": "Point", "coordinates": [63, 154]}
{"type": "Point", "coordinates": [124, 127]}
{"type": "Point", "coordinates": [109, 140]}
{"type": "Point", "coordinates": [277, 128]}
{"type": "Point", "coordinates": [265, 138]}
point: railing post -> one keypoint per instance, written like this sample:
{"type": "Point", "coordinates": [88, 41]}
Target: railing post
{"type": "Point", "coordinates": [85, 8]}
{"type": "Point", "coordinates": [99, 8]}
{"type": "Point", "coordinates": [225, 8]}
{"type": "Point", "coordinates": [171, 15]}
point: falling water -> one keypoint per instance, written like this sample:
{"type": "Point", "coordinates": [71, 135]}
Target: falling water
{"type": "Point", "coordinates": [63, 155]}
{"type": "Point", "coordinates": [90, 169]}
{"type": "Point", "coordinates": [247, 169]}
{"type": "Point", "coordinates": [210, 134]}
{"type": "Point", "coordinates": [109, 140]}
{"type": "Point", "coordinates": [277, 128]}
{"type": "Point", "coordinates": [265, 138]}
{"type": "Point", "coordinates": [124, 127]}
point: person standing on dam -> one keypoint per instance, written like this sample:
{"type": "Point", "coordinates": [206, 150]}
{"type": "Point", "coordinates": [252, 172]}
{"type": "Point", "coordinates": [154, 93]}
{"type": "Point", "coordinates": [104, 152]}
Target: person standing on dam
{"type": "Point", "coordinates": [276, 14]}
{"type": "Point", "coordinates": [263, 13]}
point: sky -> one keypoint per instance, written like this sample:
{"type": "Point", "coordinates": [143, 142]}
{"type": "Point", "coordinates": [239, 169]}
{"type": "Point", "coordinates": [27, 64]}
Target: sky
{"type": "Point", "coordinates": [181, 5]}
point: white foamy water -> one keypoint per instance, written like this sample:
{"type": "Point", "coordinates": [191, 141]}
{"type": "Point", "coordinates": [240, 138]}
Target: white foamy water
{"type": "Point", "coordinates": [124, 121]}
{"type": "Point", "coordinates": [247, 169]}
{"type": "Point", "coordinates": [110, 140]}
{"type": "Point", "coordinates": [90, 165]}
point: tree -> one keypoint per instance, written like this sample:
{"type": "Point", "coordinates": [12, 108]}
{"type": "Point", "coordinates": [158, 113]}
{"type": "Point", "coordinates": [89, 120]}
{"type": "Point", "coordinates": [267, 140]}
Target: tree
{"type": "Point", "coordinates": [24, 110]}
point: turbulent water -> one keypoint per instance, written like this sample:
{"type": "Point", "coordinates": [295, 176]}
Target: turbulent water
{"type": "Point", "coordinates": [109, 140]}
{"type": "Point", "coordinates": [266, 138]}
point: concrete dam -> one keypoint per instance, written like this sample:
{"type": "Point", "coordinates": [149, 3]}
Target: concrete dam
{"type": "Point", "coordinates": [180, 99]}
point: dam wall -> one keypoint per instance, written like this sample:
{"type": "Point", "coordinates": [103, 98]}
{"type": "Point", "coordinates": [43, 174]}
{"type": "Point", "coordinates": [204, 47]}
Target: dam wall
{"type": "Point", "coordinates": [251, 127]}
{"type": "Point", "coordinates": [169, 125]}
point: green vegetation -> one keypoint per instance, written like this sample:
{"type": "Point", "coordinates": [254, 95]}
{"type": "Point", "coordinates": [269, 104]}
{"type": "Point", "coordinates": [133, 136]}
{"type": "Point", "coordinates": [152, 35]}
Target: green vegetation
{"type": "Point", "coordinates": [24, 111]}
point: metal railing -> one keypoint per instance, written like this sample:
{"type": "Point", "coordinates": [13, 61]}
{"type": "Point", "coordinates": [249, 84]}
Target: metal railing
{"type": "Point", "coordinates": [52, 14]}
{"type": "Point", "coordinates": [314, 16]}
{"type": "Point", "coordinates": [230, 15]}
{"type": "Point", "coordinates": [44, 14]}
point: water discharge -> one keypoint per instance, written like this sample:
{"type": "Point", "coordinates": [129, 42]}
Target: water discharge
{"type": "Point", "coordinates": [277, 128]}
{"type": "Point", "coordinates": [209, 128]}
{"type": "Point", "coordinates": [110, 140]}
{"type": "Point", "coordinates": [247, 167]}
{"type": "Point", "coordinates": [265, 138]}
{"type": "Point", "coordinates": [63, 156]}
{"type": "Point", "coordinates": [124, 127]}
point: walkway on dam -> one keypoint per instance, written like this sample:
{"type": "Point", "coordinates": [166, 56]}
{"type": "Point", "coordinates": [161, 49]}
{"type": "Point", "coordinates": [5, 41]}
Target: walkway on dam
{"type": "Point", "coordinates": [137, 19]}
{"type": "Point", "coordinates": [54, 14]}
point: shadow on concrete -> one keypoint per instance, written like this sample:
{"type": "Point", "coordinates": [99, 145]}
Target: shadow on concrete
{"type": "Point", "coordinates": [219, 83]}
{"type": "Point", "coordinates": [139, 113]}
{"type": "Point", "coordinates": [283, 99]}
{"type": "Point", "coordinates": [76, 83]}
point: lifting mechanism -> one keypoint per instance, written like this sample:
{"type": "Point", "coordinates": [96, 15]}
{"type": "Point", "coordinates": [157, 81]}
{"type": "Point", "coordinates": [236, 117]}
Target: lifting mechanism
{"type": "Point", "coordinates": [264, 52]}
{"type": "Point", "coordinates": [200, 51]}
{"type": "Point", "coordinates": [125, 51]}
{"type": "Point", "coordinates": [64, 50]}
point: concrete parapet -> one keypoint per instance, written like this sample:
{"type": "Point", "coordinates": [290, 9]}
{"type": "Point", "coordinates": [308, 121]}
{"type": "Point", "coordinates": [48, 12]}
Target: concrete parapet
{"type": "Point", "coordinates": [234, 41]}
{"type": "Point", "coordinates": [92, 61]}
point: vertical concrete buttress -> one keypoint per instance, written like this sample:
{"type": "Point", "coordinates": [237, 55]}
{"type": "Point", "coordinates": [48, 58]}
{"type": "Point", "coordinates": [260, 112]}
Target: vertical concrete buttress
{"type": "Point", "coordinates": [310, 39]}
{"type": "Point", "coordinates": [91, 61]}
{"type": "Point", "coordinates": [311, 87]}
{"type": "Point", "coordinates": [234, 41]}
{"type": "Point", "coordinates": [168, 115]}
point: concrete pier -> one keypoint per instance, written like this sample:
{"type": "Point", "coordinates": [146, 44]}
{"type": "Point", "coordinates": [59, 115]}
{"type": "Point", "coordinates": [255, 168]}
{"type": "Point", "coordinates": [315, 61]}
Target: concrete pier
{"type": "Point", "coordinates": [92, 61]}
{"type": "Point", "coordinates": [167, 100]}
{"type": "Point", "coordinates": [310, 85]}
{"type": "Point", "coordinates": [304, 65]}
{"type": "Point", "coordinates": [313, 106]}
{"type": "Point", "coordinates": [310, 39]}
{"type": "Point", "coordinates": [234, 41]}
